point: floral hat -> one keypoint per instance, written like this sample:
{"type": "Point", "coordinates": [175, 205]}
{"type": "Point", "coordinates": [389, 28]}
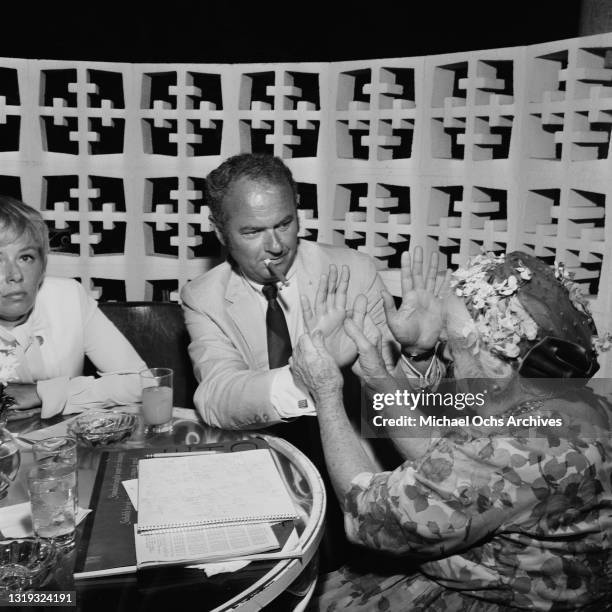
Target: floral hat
{"type": "Point", "coordinates": [530, 314]}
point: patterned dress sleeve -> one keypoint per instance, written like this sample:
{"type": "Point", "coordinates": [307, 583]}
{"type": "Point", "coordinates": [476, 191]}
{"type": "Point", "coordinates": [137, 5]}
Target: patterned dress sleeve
{"type": "Point", "coordinates": [462, 492]}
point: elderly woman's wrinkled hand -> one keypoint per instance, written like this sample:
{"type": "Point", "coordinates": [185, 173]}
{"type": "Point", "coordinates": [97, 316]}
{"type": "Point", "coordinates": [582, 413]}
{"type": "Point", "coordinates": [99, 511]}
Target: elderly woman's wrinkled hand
{"type": "Point", "coordinates": [313, 368]}
{"type": "Point", "coordinates": [367, 338]}
{"type": "Point", "coordinates": [419, 320]}
{"type": "Point", "coordinates": [370, 362]}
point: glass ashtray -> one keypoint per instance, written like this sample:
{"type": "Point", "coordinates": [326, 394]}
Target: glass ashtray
{"type": "Point", "coordinates": [103, 428]}
{"type": "Point", "coordinates": [26, 563]}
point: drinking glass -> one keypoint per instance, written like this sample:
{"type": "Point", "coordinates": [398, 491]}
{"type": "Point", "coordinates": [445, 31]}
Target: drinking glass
{"type": "Point", "coordinates": [52, 490]}
{"type": "Point", "coordinates": [157, 399]}
{"type": "Point", "coordinates": [10, 459]}
{"type": "Point", "coordinates": [51, 451]}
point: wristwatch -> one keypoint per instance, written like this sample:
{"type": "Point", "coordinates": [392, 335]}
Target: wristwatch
{"type": "Point", "coordinates": [424, 356]}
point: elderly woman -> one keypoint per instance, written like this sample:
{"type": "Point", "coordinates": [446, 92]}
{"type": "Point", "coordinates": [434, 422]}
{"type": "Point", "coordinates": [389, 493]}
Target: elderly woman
{"type": "Point", "coordinates": [517, 515]}
{"type": "Point", "coordinates": [48, 325]}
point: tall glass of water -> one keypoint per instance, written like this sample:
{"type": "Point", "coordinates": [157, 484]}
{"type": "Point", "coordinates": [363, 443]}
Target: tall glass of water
{"type": "Point", "coordinates": [52, 492]}
{"type": "Point", "coordinates": [49, 452]}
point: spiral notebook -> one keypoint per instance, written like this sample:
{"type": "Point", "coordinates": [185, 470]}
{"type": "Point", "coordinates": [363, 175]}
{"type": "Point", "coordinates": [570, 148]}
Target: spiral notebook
{"type": "Point", "coordinates": [192, 491]}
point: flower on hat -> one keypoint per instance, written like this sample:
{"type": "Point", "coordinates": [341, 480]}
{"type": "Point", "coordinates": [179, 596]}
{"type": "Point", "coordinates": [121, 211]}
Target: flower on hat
{"type": "Point", "coordinates": [603, 342]}
{"type": "Point", "coordinates": [501, 320]}
{"type": "Point", "coordinates": [576, 294]}
{"type": "Point", "coordinates": [499, 317]}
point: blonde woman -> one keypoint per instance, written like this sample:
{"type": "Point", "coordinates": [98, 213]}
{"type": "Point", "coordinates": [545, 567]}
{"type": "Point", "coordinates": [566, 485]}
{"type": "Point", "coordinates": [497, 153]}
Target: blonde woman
{"type": "Point", "coordinates": [48, 325]}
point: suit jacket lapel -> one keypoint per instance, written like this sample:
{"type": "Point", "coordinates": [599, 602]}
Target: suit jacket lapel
{"type": "Point", "coordinates": [243, 309]}
{"type": "Point", "coordinates": [310, 266]}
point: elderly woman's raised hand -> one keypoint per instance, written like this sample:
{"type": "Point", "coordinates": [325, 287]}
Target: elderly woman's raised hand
{"type": "Point", "coordinates": [314, 368]}
{"type": "Point", "coordinates": [370, 365]}
{"type": "Point", "coordinates": [419, 320]}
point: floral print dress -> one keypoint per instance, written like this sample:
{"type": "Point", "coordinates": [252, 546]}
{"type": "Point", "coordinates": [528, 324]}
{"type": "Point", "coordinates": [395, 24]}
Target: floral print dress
{"type": "Point", "coordinates": [514, 519]}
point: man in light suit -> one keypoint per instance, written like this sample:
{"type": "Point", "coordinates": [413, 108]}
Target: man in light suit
{"type": "Point", "coordinates": [253, 201]}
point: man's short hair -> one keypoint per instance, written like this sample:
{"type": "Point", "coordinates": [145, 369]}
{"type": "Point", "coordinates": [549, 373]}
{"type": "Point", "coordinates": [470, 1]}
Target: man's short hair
{"type": "Point", "coordinates": [17, 219]}
{"type": "Point", "coordinates": [255, 166]}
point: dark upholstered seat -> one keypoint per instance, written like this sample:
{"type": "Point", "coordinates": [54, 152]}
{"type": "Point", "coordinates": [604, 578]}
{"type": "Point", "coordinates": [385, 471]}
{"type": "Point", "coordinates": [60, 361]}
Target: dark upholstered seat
{"type": "Point", "coordinates": [157, 332]}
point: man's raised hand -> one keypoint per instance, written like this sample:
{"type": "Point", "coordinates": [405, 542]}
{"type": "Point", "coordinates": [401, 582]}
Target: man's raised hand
{"type": "Point", "coordinates": [329, 314]}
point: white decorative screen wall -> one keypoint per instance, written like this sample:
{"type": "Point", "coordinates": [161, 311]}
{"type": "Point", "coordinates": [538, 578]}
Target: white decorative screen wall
{"type": "Point", "coordinates": [497, 149]}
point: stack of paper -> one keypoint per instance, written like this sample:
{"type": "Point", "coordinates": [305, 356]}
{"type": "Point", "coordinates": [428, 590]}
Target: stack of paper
{"type": "Point", "coordinates": [209, 507]}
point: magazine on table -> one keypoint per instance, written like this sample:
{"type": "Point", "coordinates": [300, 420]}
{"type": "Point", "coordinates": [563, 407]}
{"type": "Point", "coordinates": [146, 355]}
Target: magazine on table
{"type": "Point", "coordinates": [107, 544]}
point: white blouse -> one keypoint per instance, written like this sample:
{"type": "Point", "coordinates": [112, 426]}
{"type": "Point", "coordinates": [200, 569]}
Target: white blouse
{"type": "Point", "coordinates": [50, 346]}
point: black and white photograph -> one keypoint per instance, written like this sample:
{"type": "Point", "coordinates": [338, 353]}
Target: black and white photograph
{"type": "Point", "coordinates": [306, 308]}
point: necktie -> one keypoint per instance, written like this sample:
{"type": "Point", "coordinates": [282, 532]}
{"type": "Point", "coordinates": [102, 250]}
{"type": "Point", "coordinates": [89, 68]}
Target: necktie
{"type": "Point", "coordinates": [279, 342]}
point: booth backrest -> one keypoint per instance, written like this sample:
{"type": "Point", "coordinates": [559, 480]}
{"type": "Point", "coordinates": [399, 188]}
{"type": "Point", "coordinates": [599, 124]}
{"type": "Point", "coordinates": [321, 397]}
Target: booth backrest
{"type": "Point", "coordinates": [157, 332]}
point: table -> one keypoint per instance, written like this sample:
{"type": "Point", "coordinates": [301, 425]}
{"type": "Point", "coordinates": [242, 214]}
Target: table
{"type": "Point", "coordinates": [255, 586]}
